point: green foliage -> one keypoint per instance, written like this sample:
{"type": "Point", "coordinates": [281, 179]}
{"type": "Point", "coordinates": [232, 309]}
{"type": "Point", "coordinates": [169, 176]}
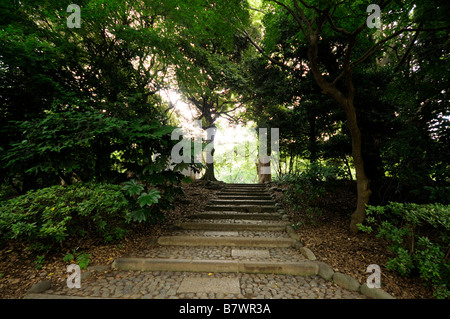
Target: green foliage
{"type": "Point", "coordinates": [58, 144]}
{"type": "Point", "coordinates": [317, 172]}
{"type": "Point", "coordinates": [133, 188]}
{"type": "Point", "coordinates": [419, 239]}
{"type": "Point", "coordinates": [71, 98]}
{"type": "Point", "coordinates": [81, 258]}
{"type": "Point", "coordinates": [47, 217]}
{"type": "Point", "coordinates": [401, 92]}
{"type": "Point", "coordinates": [74, 143]}
{"type": "Point", "coordinates": [232, 165]}
{"type": "Point", "coordinates": [304, 198]}
{"type": "Point", "coordinates": [148, 199]}
{"type": "Point", "coordinates": [145, 200]}
{"type": "Point", "coordinates": [305, 190]}
{"type": "Point", "coordinates": [75, 146]}
{"type": "Point", "coordinates": [39, 261]}
{"type": "Point", "coordinates": [439, 194]}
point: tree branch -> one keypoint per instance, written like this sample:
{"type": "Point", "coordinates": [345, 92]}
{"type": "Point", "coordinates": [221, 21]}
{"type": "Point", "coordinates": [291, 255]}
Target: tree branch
{"type": "Point", "coordinates": [296, 17]}
{"type": "Point", "coordinates": [261, 50]}
{"type": "Point", "coordinates": [376, 46]}
{"type": "Point", "coordinates": [305, 20]}
{"type": "Point", "coordinates": [358, 30]}
{"type": "Point", "coordinates": [340, 30]}
{"type": "Point", "coordinates": [408, 50]}
{"type": "Point", "coordinates": [256, 9]}
{"type": "Point", "coordinates": [309, 6]}
{"type": "Point", "coordinates": [229, 111]}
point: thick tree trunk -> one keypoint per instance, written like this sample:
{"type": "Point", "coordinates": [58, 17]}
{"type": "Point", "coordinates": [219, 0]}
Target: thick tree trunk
{"type": "Point", "coordinates": [209, 172]}
{"type": "Point", "coordinates": [374, 169]}
{"type": "Point", "coordinates": [346, 102]}
{"type": "Point", "coordinates": [362, 181]}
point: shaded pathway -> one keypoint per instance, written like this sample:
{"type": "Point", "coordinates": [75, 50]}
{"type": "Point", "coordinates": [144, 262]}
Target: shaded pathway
{"type": "Point", "coordinates": [238, 247]}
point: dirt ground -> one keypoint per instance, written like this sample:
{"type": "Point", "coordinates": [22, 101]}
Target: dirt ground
{"type": "Point", "coordinates": [17, 265]}
{"type": "Point", "coordinates": [329, 239]}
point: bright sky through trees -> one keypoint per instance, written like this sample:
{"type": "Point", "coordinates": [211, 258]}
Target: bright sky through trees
{"type": "Point", "coordinates": [235, 145]}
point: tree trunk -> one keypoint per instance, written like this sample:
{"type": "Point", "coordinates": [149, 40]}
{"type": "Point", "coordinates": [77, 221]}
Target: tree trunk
{"type": "Point", "coordinates": [209, 172]}
{"type": "Point", "coordinates": [346, 102]}
{"type": "Point", "coordinates": [374, 169]}
{"type": "Point", "coordinates": [362, 181]}
{"type": "Point", "coordinates": [348, 168]}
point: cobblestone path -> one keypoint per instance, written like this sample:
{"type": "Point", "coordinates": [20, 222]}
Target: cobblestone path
{"type": "Point", "coordinates": [238, 247]}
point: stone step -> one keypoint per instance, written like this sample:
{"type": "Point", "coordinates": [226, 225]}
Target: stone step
{"type": "Point", "coordinates": [232, 226]}
{"type": "Point", "coordinates": [246, 197]}
{"type": "Point", "coordinates": [244, 189]}
{"type": "Point", "coordinates": [217, 252]}
{"type": "Point", "coordinates": [246, 194]}
{"type": "Point", "coordinates": [301, 268]}
{"type": "Point", "coordinates": [241, 208]}
{"type": "Point", "coordinates": [256, 189]}
{"type": "Point", "coordinates": [228, 241]}
{"type": "Point", "coordinates": [242, 233]}
{"type": "Point", "coordinates": [236, 215]}
{"type": "Point", "coordinates": [244, 185]}
{"type": "Point", "coordinates": [235, 193]}
{"type": "Point", "coordinates": [234, 185]}
{"type": "Point", "coordinates": [242, 202]}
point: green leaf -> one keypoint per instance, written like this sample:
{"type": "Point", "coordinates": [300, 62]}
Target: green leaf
{"type": "Point", "coordinates": [139, 215]}
{"type": "Point", "coordinates": [149, 198]}
{"type": "Point", "coordinates": [133, 188]}
{"type": "Point", "coordinates": [68, 257]}
{"type": "Point", "coordinates": [83, 260]}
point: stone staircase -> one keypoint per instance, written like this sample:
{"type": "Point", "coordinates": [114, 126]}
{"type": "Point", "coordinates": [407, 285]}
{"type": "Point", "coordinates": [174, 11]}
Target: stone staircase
{"type": "Point", "coordinates": [239, 246]}
{"type": "Point", "coordinates": [242, 231]}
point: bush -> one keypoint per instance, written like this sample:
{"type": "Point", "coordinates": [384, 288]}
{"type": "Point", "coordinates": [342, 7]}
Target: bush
{"type": "Point", "coordinates": [304, 197]}
{"type": "Point", "coordinates": [144, 200]}
{"type": "Point", "coordinates": [47, 217]}
{"type": "Point", "coordinates": [419, 239]}
{"type": "Point", "coordinates": [305, 189]}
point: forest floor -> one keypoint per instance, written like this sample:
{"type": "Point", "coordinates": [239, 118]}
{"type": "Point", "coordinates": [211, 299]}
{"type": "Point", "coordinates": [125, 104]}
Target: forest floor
{"type": "Point", "coordinates": [328, 238]}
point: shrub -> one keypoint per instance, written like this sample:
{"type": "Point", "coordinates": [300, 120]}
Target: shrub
{"type": "Point", "coordinates": [419, 239]}
{"type": "Point", "coordinates": [49, 216]}
{"type": "Point", "coordinates": [81, 258]}
{"type": "Point", "coordinates": [304, 190]}
{"type": "Point", "coordinates": [143, 201]}
{"type": "Point", "coordinates": [304, 197]}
